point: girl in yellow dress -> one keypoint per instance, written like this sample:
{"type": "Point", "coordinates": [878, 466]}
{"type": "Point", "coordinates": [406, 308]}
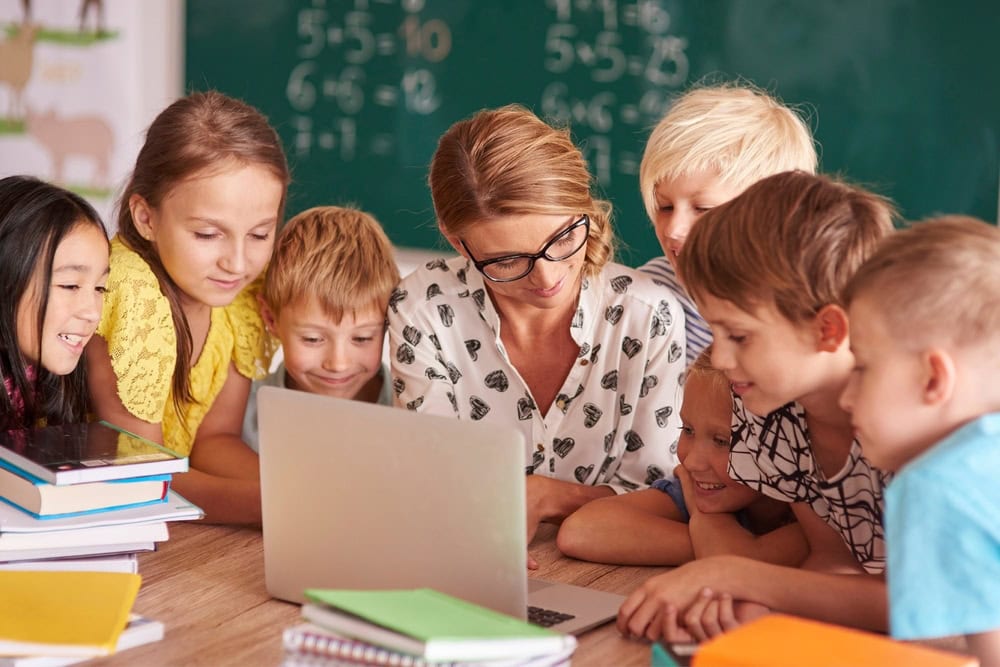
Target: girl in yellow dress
{"type": "Point", "coordinates": [181, 338]}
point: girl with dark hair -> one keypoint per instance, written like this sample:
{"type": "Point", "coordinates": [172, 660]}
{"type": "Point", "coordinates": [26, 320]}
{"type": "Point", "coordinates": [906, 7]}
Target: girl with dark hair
{"type": "Point", "coordinates": [53, 269]}
{"type": "Point", "coordinates": [181, 337]}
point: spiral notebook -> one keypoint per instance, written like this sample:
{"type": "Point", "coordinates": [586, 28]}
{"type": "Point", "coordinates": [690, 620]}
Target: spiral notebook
{"type": "Point", "coordinates": [365, 496]}
{"type": "Point", "coordinates": [308, 644]}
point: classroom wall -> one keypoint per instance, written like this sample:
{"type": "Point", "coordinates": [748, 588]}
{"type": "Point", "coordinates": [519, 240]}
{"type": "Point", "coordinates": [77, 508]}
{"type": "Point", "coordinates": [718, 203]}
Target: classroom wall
{"type": "Point", "coordinates": [902, 94]}
{"type": "Point", "coordinates": [87, 91]}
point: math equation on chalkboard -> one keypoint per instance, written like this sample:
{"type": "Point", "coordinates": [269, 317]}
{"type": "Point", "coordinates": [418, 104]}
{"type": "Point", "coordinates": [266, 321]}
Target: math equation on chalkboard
{"type": "Point", "coordinates": [370, 75]}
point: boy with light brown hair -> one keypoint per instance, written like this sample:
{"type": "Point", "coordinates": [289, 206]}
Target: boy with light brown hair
{"type": "Point", "coordinates": [766, 270]}
{"type": "Point", "coordinates": [924, 399]}
{"type": "Point", "coordinates": [325, 297]}
{"type": "Point", "coordinates": [712, 144]}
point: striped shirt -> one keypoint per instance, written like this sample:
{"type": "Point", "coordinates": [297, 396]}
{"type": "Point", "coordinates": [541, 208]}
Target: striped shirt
{"type": "Point", "coordinates": [699, 335]}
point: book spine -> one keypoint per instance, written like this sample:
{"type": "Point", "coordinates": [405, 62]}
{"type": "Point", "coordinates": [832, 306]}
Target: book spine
{"type": "Point", "coordinates": [306, 643]}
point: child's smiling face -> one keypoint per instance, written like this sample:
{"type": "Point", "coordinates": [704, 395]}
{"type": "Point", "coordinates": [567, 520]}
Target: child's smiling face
{"type": "Point", "coordinates": [75, 297]}
{"type": "Point", "coordinates": [339, 359]}
{"type": "Point", "coordinates": [214, 232]}
{"type": "Point", "coordinates": [703, 448]}
{"type": "Point", "coordinates": [769, 360]}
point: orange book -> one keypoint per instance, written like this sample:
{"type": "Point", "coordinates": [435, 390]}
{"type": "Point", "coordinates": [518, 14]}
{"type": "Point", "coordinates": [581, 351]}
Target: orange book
{"type": "Point", "coordinates": [777, 640]}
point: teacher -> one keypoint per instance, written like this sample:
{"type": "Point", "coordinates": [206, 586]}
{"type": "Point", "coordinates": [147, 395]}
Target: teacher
{"type": "Point", "coordinates": [532, 325]}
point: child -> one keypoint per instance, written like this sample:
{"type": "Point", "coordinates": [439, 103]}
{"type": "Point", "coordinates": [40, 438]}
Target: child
{"type": "Point", "coordinates": [53, 267]}
{"type": "Point", "coordinates": [925, 332]}
{"type": "Point", "coordinates": [766, 271]}
{"type": "Point", "coordinates": [713, 143]}
{"type": "Point", "coordinates": [181, 338]}
{"type": "Point", "coordinates": [325, 296]}
{"type": "Point", "coordinates": [698, 513]}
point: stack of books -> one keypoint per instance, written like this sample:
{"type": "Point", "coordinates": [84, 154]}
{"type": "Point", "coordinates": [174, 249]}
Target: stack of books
{"type": "Point", "coordinates": [84, 497]}
{"type": "Point", "coordinates": [416, 628]}
{"type": "Point", "coordinates": [50, 619]}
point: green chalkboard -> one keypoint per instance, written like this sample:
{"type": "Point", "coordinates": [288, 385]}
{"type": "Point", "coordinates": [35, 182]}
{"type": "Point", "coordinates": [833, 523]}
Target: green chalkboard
{"type": "Point", "coordinates": [903, 95]}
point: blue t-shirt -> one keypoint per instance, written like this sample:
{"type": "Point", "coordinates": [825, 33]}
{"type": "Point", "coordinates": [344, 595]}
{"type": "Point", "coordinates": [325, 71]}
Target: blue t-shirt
{"type": "Point", "coordinates": [671, 486]}
{"type": "Point", "coordinates": [942, 521]}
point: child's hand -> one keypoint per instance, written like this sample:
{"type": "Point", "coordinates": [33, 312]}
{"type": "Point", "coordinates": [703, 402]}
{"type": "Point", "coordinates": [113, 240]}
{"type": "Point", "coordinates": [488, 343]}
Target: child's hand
{"type": "Point", "coordinates": [687, 488]}
{"type": "Point", "coordinates": [711, 615]}
{"type": "Point", "coordinates": [647, 611]}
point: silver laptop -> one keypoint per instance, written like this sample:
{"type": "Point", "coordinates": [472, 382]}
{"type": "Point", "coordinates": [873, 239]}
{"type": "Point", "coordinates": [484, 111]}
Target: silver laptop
{"type": "Point", "coordinates": [357, 495]}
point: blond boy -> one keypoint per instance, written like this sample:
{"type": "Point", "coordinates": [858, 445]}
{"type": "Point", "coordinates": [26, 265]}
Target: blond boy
{"type": "Point", "coordinates": [766, 271]}
{"type": "Point", "coordinates": [924, 398]}
{"type": "Point", "coordinates": [710, 146]}
{"type": "Point", "coordinates": [325, 297]}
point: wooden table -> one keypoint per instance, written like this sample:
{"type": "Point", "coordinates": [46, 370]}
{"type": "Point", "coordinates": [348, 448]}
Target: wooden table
{"type": "Point", "coordinates": [206, 584]}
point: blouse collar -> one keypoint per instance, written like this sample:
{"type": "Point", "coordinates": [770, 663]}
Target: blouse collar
{"type": "Point", "coordinates": [580, 329]}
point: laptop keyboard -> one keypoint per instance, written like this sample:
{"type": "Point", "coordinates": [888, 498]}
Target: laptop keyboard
{"type": "Point", "coordinates": [546, 617]}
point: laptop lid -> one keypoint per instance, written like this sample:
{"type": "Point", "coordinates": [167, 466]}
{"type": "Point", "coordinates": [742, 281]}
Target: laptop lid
{"type": "Point", "coordinates": [356, 495]}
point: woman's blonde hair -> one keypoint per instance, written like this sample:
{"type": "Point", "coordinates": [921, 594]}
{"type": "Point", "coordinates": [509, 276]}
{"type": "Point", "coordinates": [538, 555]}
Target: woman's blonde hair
{"type": "Point", "coordinates": [507, 161]}
{"type": "Point", "coordinates": [735, 129]}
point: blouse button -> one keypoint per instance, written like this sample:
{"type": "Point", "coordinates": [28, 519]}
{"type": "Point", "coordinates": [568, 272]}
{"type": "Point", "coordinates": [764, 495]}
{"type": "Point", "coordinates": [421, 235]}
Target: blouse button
{"type": "Point", "coordinates": [561, 404]}
{"type": "Point", "coordinates": [584, 362]}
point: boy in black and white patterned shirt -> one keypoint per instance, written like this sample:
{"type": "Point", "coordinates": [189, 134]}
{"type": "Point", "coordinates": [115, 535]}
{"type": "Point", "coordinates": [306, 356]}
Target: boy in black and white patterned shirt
{"type": "Point", "coordinates": [766, 271]}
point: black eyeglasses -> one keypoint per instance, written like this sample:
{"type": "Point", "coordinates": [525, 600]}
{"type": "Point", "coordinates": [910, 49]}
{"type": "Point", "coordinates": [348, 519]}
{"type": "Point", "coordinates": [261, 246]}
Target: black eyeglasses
{"type": "Point", "coordinates": [509, 268]}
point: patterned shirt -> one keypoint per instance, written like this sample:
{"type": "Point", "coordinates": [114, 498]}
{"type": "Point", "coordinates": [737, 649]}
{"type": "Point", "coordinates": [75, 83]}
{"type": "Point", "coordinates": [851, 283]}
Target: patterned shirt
{"type": "Point", "coordinates": [772, 456]}
{"type": "Point", "coordinates": [615, 420]}
{"type": "Point", "coordinates": [699, 335]}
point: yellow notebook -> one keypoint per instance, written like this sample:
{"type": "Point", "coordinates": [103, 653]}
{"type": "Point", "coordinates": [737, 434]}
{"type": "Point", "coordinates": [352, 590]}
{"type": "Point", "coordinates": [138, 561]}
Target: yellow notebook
{"type": "Point", "coordinates": [777, 640]}
{"type": "Point", "coordinates": [64, 613]}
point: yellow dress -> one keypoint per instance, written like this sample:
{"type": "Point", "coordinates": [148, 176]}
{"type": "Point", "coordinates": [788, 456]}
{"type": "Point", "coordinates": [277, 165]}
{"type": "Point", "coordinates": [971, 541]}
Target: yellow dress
{"type": "Point", "coordinates": [142, 343]}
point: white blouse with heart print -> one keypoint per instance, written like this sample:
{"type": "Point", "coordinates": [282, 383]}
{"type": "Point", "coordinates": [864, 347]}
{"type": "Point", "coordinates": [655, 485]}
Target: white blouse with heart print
{"type": "Point", "coordinates": [615, 421]}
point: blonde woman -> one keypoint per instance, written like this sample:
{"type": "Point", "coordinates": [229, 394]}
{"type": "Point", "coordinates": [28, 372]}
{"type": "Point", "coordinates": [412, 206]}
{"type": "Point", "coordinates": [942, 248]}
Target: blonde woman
{"type": "Point", "coordinates": [532, 325]}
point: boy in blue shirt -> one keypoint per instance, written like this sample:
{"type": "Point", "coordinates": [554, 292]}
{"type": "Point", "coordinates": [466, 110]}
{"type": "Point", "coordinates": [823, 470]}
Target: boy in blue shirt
{"type": "Point", "coordinates": [925, 331]}
{"type": "Point", "coordinates": [325, 296]}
